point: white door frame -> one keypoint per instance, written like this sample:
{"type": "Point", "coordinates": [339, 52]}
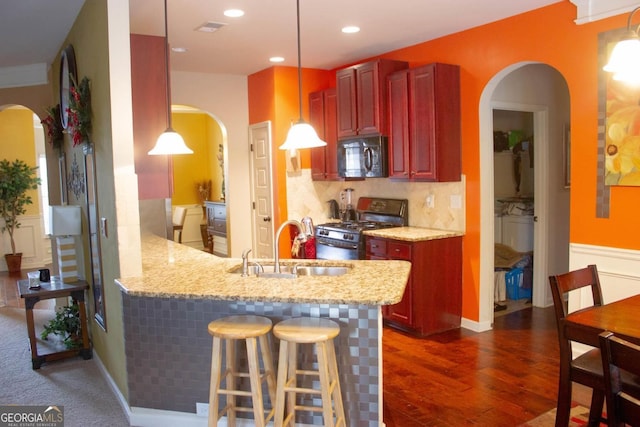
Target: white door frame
{"type": "Point", "coordinates": [540, 272]}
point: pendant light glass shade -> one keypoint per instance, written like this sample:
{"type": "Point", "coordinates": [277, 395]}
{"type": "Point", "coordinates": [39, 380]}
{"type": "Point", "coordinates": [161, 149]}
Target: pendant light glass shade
{"type": "Point", "coordinates": [301, 134]}
{"type": "Point", "coordinates": [169, 142]}
{"type": "Point", "coordinates": [624, 61]}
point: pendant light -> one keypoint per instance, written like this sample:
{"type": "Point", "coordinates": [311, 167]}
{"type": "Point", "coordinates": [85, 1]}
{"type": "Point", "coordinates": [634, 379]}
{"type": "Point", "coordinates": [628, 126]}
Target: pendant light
{"type": "Point", "coordinates": [624, 61]}
{"type": "Point", "coordinates": [170, 141]}
{"type": "Point", "coordinates": [301, 134]}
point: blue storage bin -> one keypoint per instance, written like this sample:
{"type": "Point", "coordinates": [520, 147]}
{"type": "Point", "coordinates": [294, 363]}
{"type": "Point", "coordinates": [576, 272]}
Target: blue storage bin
{"type": "Point", "coordinates": [513, 279]}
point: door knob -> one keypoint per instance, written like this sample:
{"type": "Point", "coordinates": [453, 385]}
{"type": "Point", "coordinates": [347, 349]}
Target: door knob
{"type": "Point", "coordinates": [535, 219]}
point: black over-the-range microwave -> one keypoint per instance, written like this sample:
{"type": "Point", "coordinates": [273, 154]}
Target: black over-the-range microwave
{"type": "Point", "coordinates": [363, 157]}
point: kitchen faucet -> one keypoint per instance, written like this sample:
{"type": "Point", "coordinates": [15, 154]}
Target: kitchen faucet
{"type": "Point", "coordinates": [245, 262]}
{"type": "Point", "coordinates": [300, 237]}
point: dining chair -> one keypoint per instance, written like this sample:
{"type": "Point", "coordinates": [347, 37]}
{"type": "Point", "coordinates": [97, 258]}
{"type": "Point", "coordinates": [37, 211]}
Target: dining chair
{"type": "Point", "coordinates": [585, 369]}
{"type": "Point", "coordinates": [179, 215]}
{"type": "Point", "coordinates": [620, 356]}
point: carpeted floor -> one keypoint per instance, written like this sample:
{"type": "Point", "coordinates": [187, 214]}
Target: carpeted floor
{"type": "Point", "coordinates": [75, 384]}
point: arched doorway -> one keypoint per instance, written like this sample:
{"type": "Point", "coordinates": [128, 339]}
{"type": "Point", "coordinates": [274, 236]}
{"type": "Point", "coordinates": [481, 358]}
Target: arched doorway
{"type": "Point", "coordinates": [541, 90]}
{"type": "Point", "coordinates": [22, 137]}
{"type": "Point", "coordinates": [202, 177]}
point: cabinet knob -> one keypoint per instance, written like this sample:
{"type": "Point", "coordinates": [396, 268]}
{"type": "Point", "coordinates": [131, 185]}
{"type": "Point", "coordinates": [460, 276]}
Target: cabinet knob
{"type": "Point", "coordinates": [267, 219]}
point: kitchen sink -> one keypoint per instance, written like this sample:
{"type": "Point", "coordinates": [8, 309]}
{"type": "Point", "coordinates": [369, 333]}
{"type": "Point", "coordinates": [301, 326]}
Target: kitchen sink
{"type": "Point", "coordinates": [291, 271]}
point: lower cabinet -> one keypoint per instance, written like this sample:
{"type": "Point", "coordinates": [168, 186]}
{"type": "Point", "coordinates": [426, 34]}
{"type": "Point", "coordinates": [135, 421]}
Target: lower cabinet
{"type": "Point", "coordinates": [432, 300]}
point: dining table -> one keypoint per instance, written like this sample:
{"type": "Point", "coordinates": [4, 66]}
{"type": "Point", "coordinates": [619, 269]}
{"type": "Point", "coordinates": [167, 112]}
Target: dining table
{"type": "Point", "coordinates": [621, 317]}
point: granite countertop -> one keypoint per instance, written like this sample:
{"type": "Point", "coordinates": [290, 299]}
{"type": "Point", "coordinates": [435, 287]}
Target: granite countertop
{"type": "Point", "coordinates": [412, 234]}
{"type": "Point", "coordinates": [172, 270]}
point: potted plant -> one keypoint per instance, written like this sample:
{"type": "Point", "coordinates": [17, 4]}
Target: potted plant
{"type": "Point", "coordinates": [67, 325]}
{"type": "Point", "coordinates": [16, 179]}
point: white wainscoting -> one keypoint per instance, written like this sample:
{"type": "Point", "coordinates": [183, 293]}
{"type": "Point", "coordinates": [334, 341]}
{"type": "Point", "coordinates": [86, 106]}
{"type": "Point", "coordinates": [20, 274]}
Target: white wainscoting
{"type": "Point", "coordinates": [619, 273]}
{"type": "Point", "coordinates": [618, 269]}
{"type": "Point", "coordinates": [31, 241]}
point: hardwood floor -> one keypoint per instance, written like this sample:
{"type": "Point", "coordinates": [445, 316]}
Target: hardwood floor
{"type": "Point", "coordinates": [502, 377]}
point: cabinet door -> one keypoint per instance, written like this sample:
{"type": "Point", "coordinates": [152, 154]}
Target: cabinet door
{"type": "Point", "coordinates": [422, 123]}
{"type": "Point", "coordinates": [323, 117]}
{"type": "Point", "coordinates": [331, 134]}
{"type": "Point", "coordinates": [368, 98]}
{"type": "Point", "coordinates": [346, 98]}
{"type": "Point", "coordinates": [398, 95]}
{"type": "Point", "coordinates": [402, 312]}
{"type": "Point", "coordinates": [317, 120]}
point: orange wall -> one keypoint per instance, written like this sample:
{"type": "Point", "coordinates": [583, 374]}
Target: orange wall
{"type": "Point", "coordinates": [550, 36]}
{"type": "Point", "coordinates": [273, 95]}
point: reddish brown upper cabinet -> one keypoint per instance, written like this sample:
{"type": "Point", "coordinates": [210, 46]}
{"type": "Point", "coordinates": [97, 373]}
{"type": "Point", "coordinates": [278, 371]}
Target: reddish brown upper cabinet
{"type": "Point", "coordinates": [424, 123]}
{"type": "Point", "coordinates": [362, 97]}
{"type": "Point", "coordinates": [323, 117]}
{"type": "Point", "coordinates": [432, 300]}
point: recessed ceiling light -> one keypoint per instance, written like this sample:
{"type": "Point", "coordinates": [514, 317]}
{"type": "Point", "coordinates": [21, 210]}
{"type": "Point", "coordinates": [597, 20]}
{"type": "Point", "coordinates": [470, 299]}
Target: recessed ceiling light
{"type": "Point", "coordinates": [179, 49]}
{"type": "Point", "coordinates": [276, 59]}
{"type": "Point", "coordinates": [350, 29]}
{"type": "Point", "coordinates": [234, 13]}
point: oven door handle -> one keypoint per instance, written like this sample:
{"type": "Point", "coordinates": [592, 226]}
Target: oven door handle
{"type": "Point", "coordinates": [354, 246]}
{"type": "Point", "coordinates": [368, 159]}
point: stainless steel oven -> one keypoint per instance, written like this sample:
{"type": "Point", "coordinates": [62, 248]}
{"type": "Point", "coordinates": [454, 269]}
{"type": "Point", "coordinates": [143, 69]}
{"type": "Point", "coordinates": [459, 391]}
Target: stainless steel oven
{"type": "Point", "coordinates": [345, 241]}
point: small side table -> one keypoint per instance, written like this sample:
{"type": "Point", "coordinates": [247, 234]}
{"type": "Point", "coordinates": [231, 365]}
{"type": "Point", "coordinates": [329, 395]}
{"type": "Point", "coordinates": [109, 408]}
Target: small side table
{"type": "Point", "coordinates": [55, 289]}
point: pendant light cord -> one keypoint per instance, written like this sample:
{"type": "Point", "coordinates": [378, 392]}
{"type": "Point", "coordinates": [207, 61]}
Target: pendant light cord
{"type": "Point", "coordinates": [299, 62]}
{"type": "Point", "coordinates": [166, 65]}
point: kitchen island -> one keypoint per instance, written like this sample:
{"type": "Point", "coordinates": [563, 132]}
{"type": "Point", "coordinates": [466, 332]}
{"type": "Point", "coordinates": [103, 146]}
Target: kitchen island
{"type": "Point", "coordinates": [166, 311]}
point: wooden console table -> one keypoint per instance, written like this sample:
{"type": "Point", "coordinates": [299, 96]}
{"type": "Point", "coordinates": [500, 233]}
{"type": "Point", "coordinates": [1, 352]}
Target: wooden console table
{"type": "Point", "coordinates": [55, 289]}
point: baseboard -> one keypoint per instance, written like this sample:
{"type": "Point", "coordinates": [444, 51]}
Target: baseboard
{"type": "Point", "coordinates": [475, 326]}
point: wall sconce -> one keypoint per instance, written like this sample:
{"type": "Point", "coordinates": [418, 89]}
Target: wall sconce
{"type": "Point", "coordinates": [301, 134]}
{"type": "Point", "coordinates": [66, 222]}
{"type": "Point", "coordinates": [624, 61]}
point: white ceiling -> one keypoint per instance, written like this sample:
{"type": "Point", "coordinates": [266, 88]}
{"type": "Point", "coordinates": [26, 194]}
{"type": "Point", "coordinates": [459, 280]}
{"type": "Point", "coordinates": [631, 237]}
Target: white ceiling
{"type": "Point", "coordinates": [37, 29]}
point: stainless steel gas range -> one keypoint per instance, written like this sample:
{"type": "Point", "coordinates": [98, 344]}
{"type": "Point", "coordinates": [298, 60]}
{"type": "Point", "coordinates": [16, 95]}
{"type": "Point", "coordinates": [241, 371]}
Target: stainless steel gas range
{"type": "Point", "coordinates": [344, 240]}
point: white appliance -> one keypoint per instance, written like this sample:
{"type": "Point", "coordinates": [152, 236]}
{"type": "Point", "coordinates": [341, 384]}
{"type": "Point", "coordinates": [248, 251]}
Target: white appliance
{"type": "Point", "coordinates": [517, 232]}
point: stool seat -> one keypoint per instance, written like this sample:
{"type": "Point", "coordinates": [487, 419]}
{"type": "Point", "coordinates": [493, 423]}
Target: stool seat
{"type": "Point", "coordinates": [240, 327]}
{"type": "Point", "coordinates": [320, 333]}
{"type": "Point", "coordinates": [253, 330]}
{"type": "Point", "coordinates": [306, 330]}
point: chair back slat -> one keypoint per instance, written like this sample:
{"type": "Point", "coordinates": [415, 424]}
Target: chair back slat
{"type": "Point", "coordinates": [623, 404]}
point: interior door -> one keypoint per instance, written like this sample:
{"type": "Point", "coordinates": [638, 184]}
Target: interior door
{"type": "Point", "coordinates": [261, 189]}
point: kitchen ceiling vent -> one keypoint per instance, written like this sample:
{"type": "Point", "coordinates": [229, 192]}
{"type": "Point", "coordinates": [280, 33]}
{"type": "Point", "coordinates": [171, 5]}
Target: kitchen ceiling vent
{"type": "Point", "coordinates": [210, 27]}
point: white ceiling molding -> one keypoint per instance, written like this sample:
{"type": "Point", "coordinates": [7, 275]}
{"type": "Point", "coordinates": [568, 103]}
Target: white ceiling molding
{"type": "Point", "coordinates": [594, 10]}
{"type": "Point", "coordinates": [23, 75]}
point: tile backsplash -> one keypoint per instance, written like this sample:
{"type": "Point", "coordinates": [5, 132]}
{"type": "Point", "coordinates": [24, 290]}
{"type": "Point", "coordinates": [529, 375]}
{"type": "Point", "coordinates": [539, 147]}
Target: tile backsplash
{"type": "Point", "coordinates": [306, 197]}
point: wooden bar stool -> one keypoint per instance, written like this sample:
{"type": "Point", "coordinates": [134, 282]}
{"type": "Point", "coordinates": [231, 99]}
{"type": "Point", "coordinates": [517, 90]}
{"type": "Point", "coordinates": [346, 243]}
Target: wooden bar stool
{"type": "Point", "coordinates": [251, 329]}
{"type": "Point", "coordinates": [305, 330]}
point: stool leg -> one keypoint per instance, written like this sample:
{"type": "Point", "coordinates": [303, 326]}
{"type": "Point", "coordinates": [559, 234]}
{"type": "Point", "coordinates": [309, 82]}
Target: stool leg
{"type": "Point", "coordinates": [280, 385]}
{"type": "Point", "coordinates": [325, 383]}
{"type": "Point", "coordinates": [256, 384]}
{"type": "Point", "coordinates": [292, 376]}
{"type": "Point", "coordinates": [267, 361]}
{"type": "Point", "coordinates": [231, 381]}
{"type": "Point", "coordinates": [337, 392]}
{"type": "Point", "coordinates": [216, 355]}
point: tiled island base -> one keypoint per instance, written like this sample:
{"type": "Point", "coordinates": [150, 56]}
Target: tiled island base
{"type": "Point", "coordinates": [168, 352]}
